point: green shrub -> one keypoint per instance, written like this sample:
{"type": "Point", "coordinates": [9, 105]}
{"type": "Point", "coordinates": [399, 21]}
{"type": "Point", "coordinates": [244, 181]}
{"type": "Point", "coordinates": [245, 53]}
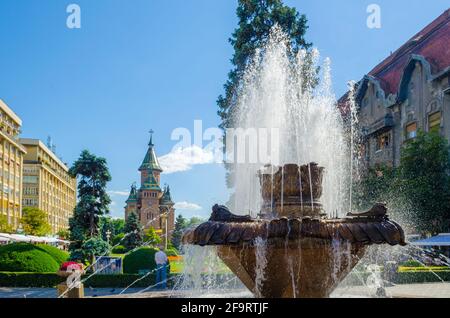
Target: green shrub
{"type": "Point", "coordinates": [50, 280]}
{"type": "Point", "coordinates": [118, 238]}
{"type": "Point", "coordinates": [24, 257]}
{"type": "Point", "coordinates": [59, 255]}
{"type": "Point", "coordinates": [171, 252]}
{"type": "Point", "coordinates": [422, 277]}
{"type": "Point", "coordinates": [119, 249]}
{"type": "Point", "coordinates": [37, 280]}
{"type": "Point", "coordinates": [139, 260]}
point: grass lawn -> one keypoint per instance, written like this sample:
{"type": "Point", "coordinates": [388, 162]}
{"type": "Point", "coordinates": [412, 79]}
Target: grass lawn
{"type": "Point", "coordinates": [177, 265]}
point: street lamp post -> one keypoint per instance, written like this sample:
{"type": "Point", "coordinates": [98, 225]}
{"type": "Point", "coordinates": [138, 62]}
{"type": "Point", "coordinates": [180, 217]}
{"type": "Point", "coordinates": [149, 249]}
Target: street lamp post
{"type": "Point", "coordinates": [165, 220]}
{"type": "Point", "coordinates": [108, 235]}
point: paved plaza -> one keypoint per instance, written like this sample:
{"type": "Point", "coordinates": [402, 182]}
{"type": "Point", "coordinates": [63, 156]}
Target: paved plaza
{"type": "Point", "coordinates": [429, 290]}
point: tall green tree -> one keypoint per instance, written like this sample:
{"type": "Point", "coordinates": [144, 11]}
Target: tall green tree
{"type": "Point", "coordinates": [425, 181]}
{"type": "Point", "coordinates": [35, 222]}
{"type": "Point", "coordinates": [256, 19]}
{"type": "Point", "coordinates": [180, 226]}
{"type": "Point", "coordinates": [93, 200]}
{"type": "Point", "coordinates": [133, 232]}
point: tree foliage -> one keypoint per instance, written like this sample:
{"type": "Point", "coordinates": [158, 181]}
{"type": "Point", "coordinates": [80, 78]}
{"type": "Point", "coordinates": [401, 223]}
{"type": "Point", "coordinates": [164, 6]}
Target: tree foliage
{"type": "Point", "coordinates": [5, 227]}
{"type": "Point", "coordinates": [425, 181]}
{"type": "Point", "coordinates": [151, 237]}
{"type": "Point", "coordinates": [133, 232]}
{"type": "Point", "coordinates": [95, 246]}
{"type": "Point", "coordinates": [93, 200]}
{"type": "Point", "coordinates": [35, 222]}
{"type": "Point", "coordinates": [256, 20]}
{"type": "Point", "coordinates": [180, 226]}
{"type": "Point", "coordinates": [418, 190]}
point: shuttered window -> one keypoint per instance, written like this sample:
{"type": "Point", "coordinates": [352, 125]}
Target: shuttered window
{"type": "Point", "coordinates": [434, 122]}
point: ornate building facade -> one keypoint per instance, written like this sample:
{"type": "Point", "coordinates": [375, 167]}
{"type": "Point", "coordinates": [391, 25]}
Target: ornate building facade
{"type": "Point", "coordinates": [408, 91]}
{"type": "Point", "coordinates": [152, 204]}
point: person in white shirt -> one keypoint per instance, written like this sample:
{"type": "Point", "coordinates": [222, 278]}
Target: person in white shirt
{"type": "Point", "coordinates": [161, 269]}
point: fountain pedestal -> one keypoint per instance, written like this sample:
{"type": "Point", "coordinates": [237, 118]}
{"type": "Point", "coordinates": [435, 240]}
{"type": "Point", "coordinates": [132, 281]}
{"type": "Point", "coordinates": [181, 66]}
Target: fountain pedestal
{"type": "Point", "coordinates": [299, 269]}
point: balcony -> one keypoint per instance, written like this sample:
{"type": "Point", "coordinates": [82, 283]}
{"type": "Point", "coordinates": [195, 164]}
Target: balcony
{"type": "Point", "coordinates": [381, 125]}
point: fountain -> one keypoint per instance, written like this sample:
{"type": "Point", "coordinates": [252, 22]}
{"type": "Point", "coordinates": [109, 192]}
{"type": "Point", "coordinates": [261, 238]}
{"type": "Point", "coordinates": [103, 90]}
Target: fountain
{"type": "Point", "coordinates": [297, 240]}
{"type": "Point", "coordinates": [302, 248]}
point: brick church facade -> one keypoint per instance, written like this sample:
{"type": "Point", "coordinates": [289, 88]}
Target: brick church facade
{"type": "Point", "coordinates": [152, 204]}
{"type": "Point", "coordinates": [408, 91]}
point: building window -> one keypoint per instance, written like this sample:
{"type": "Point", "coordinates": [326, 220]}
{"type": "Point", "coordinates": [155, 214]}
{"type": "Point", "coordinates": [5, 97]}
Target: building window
{"type": "Point", "coordinates": [434, 122]}
{"type": "Point", "coordinates": [383, 141]}
{"type": "Point", "coordinates": [30, 179]}
{"type": "Point", "coordinates": [411, 131]}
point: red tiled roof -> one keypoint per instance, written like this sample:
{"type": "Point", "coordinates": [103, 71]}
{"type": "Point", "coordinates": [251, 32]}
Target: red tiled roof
{"type": "Point", "coordinates": [433, 43]}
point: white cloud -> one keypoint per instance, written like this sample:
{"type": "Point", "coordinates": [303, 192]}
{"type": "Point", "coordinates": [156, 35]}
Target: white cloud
{"type": "Point", "coordinates": [113, 203]}
{"type": "Point", "coordinates": [184, 205]}
{"type": "Point", "coordinates": [183, 159]}
{"type": "Point", "coordinates": [119, 193]}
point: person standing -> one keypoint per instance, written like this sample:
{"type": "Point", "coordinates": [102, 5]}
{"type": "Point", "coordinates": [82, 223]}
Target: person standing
{"type": "Point", "coordinates": [161, 269]}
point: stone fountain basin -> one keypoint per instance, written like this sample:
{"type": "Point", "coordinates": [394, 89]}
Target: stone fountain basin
{"type": "Point", "coordinates": [306, 257]}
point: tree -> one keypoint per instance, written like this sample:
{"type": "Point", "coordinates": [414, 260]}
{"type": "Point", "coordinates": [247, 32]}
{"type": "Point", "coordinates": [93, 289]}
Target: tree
{"type": "Point", "coordinates": [425, 182]}
{"type": "Point", "coordinates": [35, 222]}
{"type": "Point", "coordinates": [93, 200]}
{"type": "Point", "coordinates": [375, 186]}
{"type": "Point", "coordinates": [95, 246]}
{"type": "Point", "coordinates": [5, 227]}
{"type": "Point", "coordinates": [133, 232]}
{"type": "Point", "coordinates": [151, 237]}
{"type": "Point", "coordinates": [195, 220]}
{"type": "Point", "coordinates": [118, 225]}
{"type": "Point", "coordinates": [180, 226]}
{"type": "Point", "coordinates": [256, 19]}
{"type": "Point", "coordinates": [118, 239]}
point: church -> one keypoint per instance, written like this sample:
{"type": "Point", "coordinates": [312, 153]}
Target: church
{"type": "Point", "coordinates": [152, 205]}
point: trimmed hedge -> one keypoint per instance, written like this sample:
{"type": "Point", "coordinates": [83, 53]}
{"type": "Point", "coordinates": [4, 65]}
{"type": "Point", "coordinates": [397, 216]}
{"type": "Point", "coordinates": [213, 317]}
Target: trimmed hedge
{"type": "Point", "coordinates": [141, 259]}
{"type": "Point", "coordinates": [38, 280]}
{"type": "Point", "coordinates": [120, 249]}
{"type": "Point", "coordinates": [59, 255]}
{"type": "Point", "coordinates": [50, 280]}
{"type": "Point", "coordinates": [25, 257]}
{"type": "Point", "coordinates": [421, 277]}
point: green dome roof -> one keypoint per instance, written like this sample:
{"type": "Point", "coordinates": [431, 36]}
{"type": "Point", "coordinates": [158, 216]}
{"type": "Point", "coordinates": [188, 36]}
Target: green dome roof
{"type": "Point", "coordinates": [151, 160]}
{"type": "Point", "coordinates": [133, 197]}
{"type": "Point", "coordinates": [166, 198]}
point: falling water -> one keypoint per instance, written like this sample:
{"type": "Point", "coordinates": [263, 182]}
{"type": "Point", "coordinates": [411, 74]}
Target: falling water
{"type": "Point", "coordinates": [283, 93]}
{"type": "Point", "coordinates": [261, 263]}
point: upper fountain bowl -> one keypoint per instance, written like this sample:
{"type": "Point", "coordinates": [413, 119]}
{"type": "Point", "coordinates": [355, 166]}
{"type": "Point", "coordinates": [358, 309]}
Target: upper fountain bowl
{"type": "Point", "coordinates": [291, 190]}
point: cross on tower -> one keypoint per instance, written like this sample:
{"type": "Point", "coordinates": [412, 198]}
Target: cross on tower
{"type": "Point", "coordinates": [151, 137]}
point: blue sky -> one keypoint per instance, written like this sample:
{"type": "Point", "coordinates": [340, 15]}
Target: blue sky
{"type": "Point", "coordinates": [146, 64]}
